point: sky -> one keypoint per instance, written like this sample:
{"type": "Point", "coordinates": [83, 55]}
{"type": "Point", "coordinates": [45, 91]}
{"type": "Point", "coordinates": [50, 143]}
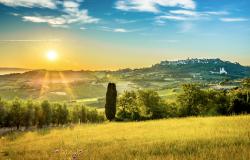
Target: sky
{"type": "Point", "coordinates": [115, 34]}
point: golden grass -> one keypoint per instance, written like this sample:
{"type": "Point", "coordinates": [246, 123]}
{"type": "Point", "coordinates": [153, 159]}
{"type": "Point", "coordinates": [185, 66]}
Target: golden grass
{"type": "Point", "coordinates": [187, 138]}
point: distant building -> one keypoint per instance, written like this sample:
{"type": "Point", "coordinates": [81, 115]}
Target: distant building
{"type": "Point", "coordinates": [223, 71]}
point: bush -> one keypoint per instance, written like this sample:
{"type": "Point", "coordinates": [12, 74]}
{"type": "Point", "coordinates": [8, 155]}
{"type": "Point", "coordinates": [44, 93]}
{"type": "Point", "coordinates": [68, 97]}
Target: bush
{"type": "Point", "coordinates": [128, 107]}
{"type": "Point", "coordinates": [141, 105]}
{"type": "Point", "coordinates": [240, 102]}
{"type": "Point", "coordinates": [2, 113]}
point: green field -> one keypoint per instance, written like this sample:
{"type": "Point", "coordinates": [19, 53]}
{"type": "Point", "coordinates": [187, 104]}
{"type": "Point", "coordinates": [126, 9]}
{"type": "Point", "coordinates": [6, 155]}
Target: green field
{"type": "Point", "coordinates": [185, 138]}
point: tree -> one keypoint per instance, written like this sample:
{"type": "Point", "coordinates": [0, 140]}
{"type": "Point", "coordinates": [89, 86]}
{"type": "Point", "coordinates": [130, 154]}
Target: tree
{"type": "Point", "coordinates": [246, 84]}
{"type": "Point", "coordinates": [128, 107]}
{"type": "Point", "coordinates": [151, 104]}
{"type": "Point", "coordinates": [63, 114]}
{"type": "Point", "coordinates": [110, 106]}
{"type": "Point", "coordinates": [193, 101]}
{"type": "Point", "coordinates": [46, 113]}
{"type": "Point", "coordinates": [2, 113]}
{"type": "Point", "coordinates": [38, 119]}
{"type": "Point", "coordinates": [54, 115]}
{"type": "Point", "coordinates": [16, 113]}
{"type": "Point", "coordinates": [219, 102]}
{"type": "Point", "coordinates": [92, 115]}
{"type": "Point", "coordinates": [76, 114]}
{"type": "Point", "coordinates": [83, 114]}
{"type": "Point", "coordinates": [239, 102]}
{"type": "Point", "coordinates": [28, 115]}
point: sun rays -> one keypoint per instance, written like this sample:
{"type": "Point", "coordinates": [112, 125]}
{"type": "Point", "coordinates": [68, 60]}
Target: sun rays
{"type": "Point", "coordinates": [66, 84]}
{"type": "Point", "coordinates": [44, 84]}
{"type": "Point", "coordinates": [51, 80]}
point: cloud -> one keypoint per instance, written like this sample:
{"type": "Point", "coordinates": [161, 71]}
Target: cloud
{"type": "Point", "coordinates": [30, 3]}
{"type": "Point", "coordinates": [80, 16]}
{"type": "Point", "coordinates": [116, 30]}
{"type": "Point", "coordinates": [52, 21]}
{"type": "Point", "coordinates": [121, 30]}
{"type": "Point", "coordinates": [234, 19]}
{"type": "Point", "coordinates": [83, 28]}
{"type": "Point", "coordinates": [189, 15]}
{"type": "Point", "coordinates": [153, 5]}
{"type": "Point", "coordinates": [45, 19]}
{"type": "Point", "coordinates": [160, 22]}
{"type": "Point", "coordinates": [73, 14]}
{"type": "Point", "coordinates": [216, 13]}
{"type": "Point", "coordinates": [71, 7]}
{"type": "Point", "coordinates": [184, 12]}
{"type": "Point", "coordinates": [15, 14]}
{"type": "Point", "coordinates": [125, 21]}
{"type": "Point", "coordinates": [172, 17]}
{"type": "Point", "coordinates": [179, 15]}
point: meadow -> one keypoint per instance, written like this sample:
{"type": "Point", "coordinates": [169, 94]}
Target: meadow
{"type": "Point", "coordinates": [183, 138]}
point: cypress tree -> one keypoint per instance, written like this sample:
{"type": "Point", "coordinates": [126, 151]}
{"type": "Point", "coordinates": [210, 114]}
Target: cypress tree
{"type": "Point", "coordinates": [110, 106]}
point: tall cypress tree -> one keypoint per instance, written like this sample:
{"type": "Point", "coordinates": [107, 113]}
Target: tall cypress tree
{"type": "Point", "coordinates": [110, 106]}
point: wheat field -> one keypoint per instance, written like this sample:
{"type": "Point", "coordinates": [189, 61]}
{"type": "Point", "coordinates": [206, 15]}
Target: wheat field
{"type": "Point", "coordinates": [185, 138]}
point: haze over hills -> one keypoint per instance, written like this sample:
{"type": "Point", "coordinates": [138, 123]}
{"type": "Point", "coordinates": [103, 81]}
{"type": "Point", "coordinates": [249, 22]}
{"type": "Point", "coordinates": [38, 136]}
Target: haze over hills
{"type": "Point", "coordinates": [165, 77]}
{"type": "Point", "coordinates": [8, 70]}
{"type": "Point", "coordinates": [188, 66]}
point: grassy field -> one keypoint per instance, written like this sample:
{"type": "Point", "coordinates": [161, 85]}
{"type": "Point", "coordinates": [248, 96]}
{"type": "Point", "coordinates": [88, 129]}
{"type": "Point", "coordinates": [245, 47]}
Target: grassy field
{"type": "Point", "coordinates": [188, 138]}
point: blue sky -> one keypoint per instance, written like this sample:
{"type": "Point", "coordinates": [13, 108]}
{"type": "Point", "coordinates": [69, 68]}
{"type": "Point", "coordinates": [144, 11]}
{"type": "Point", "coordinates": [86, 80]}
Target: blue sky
{"type": "Point", "coordinates": [126, 30]}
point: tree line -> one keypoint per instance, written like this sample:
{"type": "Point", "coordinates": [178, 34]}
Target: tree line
{"type": "Point", "coordinates": [194, 101]}
{"type": "Point", "coordinates": [129, 106]}
{"type": "Point", "coordinates": [19, 113]}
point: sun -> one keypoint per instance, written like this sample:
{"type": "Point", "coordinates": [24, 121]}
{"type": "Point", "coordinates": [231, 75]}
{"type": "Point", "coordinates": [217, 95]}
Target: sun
{"type": "Point", "coordinates": [51, 55]}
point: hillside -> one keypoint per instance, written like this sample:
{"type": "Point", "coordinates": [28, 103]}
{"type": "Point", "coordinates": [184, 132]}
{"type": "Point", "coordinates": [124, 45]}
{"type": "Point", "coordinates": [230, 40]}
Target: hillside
{"type": "Point", "coordinates": [186, 138]}
{"type": "Point", "coordinates": [165, 77]}
{"type": "Point", "coordinates": [201, 69]}
{"type": "Point", "coordinates": [6, 70]}
{"type": "Point", "coordinates": [196, 69]}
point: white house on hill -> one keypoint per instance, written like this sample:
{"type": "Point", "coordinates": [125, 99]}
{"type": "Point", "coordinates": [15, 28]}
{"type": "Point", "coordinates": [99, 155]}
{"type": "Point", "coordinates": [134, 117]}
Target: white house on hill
{"type": "Point", "coordinates": [223, 71]}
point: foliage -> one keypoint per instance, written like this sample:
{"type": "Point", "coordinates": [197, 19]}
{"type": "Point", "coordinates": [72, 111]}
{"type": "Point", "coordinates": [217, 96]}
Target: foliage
{"type": "Point", "coordinates": [60, 114]}
{"type": "Point", "coordinates": [28, 113]}
{"type": "Point", "coordinates": [128, 107]}
{"type": "Point", "coordinates": [16, 112]}
{"type": "Point", "coordinates": [143, 104]}
{"type": "Point", "coordinates": [194, 101]}
{"type": "Point", "coordinates": [240, 102]}
{"type": "Point", "coordinates": [132, 106]}
{"type": "Point", "coordinates": [151, 104]}
{"type": "Point", "coordinates": [110, 106]}
{"type": "Point", "coordinates": [47, 114]}
{"type": "Point", "coordinates": [2, 113]}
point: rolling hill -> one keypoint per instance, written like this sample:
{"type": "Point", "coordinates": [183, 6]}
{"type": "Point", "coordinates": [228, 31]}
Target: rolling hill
{"type": "Point", "coordinates": [6, 70]}
{"type": "Point", "coordinates": [197, 69]}
{"type": "Point", "coordinates": [165, 77]}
